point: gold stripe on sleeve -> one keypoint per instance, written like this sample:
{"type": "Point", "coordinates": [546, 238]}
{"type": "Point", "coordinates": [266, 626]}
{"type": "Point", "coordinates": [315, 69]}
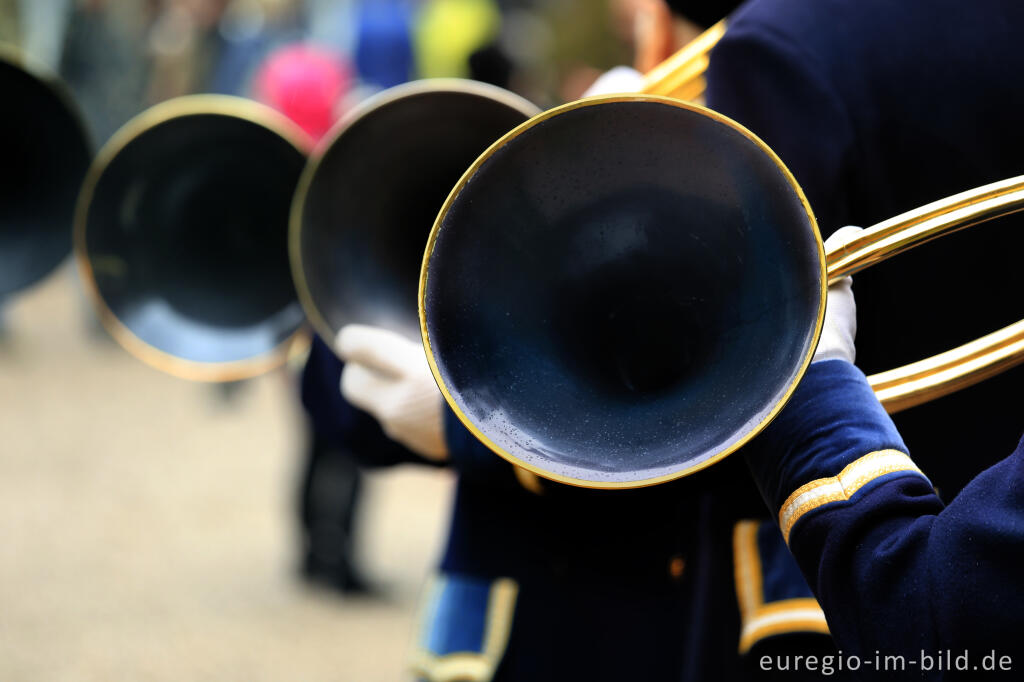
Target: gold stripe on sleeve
{"type": "Point", "coordinates": [841, 487]}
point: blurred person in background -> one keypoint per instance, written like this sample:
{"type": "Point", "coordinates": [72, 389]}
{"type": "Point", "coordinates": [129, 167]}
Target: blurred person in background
{"type": "Point", "coordinates": [383, 48]}
{"type": "Point", "coordinates": [247, 33]}
{"type": "Point", "coordinates": [182, 46]}
{"type": "Point", "coordinates": [449, 31]}
{"type": "Point", "coordinates": [43, 24]}
{"type": "Point", "coordinates": [659, 28]}
{"type": "Point", "coordinates": [461, 39]}
{"type": "Point", "coordinates": [339, 435]}
{"type": "Point", "coordinates": [332, 22]}
{"type": "Point", "coordinates": [106, 64]}
{"type": "Point", "coordinates": [332, 481]}
{"type": "Point", "coordinates": [306, 83]}
{"type": "Point", "coordinates": [9, 32]}
{"type": "Point", "coordinates": [309, 85]}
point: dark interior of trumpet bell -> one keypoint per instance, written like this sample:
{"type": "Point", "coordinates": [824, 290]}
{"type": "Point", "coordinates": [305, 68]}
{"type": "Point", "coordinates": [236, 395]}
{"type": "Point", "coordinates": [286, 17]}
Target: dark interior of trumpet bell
{"type": "Point", "coordinates": [187, 237]}
{"type": "Point", "coordinates": [631, 315]}
{"type": "Point", "coordinates": [45, 156]}
{"type": "Point", "coordinates": [633, 303]}
{"type": "Point", "coordinates": [376, 193]}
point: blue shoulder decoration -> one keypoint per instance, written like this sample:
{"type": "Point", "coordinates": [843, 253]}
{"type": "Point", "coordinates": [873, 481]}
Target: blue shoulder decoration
{"type": "Point", "coordinates": [464, 628]}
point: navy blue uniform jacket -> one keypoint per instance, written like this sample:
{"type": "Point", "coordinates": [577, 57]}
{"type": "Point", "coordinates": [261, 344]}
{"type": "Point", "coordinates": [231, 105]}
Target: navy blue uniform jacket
{"type": "Point", "coordinates": [878, 107]}
{"type": "Point", "coordinates": [684, 581]}
{"type": "Point", "coordinates": [896, 571]}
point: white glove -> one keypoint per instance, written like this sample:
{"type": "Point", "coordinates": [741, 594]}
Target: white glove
{"type": "Point", "coordinates": [387, 375]}
{"type": "Point", "coordinates": [840, 326]}
{"type": "Point", "coordinates": [619, 79]}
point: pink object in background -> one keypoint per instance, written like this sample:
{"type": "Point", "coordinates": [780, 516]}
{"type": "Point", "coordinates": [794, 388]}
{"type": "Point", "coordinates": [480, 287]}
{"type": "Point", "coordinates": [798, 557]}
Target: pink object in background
{"type": "Point", "coordinates": [306, 84]}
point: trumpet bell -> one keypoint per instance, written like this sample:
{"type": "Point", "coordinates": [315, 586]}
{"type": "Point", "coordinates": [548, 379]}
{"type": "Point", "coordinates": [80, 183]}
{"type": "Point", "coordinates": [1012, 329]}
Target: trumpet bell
{"type": "Point", "coordinates": [45, 156]}
{"type": "Point", "coordinates": [368, 198]}
{"type": "Point", "coordinates": [622, 291]}
{"type": "Point", "coordinates": [182, 236]}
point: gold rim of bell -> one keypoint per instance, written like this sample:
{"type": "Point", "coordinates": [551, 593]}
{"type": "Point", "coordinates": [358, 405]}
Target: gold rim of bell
{"type": "Point", "coordinates": [639, 483]}
{"type": "Point", "coordinates": [189, 105]}
{"type": "Point", "coordinates": [357, 114]}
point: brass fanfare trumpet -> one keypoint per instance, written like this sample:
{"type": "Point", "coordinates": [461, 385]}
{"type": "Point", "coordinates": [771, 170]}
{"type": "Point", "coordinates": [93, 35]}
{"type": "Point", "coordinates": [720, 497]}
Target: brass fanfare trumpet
{"type": "Point", "coordinates": [601, 317]}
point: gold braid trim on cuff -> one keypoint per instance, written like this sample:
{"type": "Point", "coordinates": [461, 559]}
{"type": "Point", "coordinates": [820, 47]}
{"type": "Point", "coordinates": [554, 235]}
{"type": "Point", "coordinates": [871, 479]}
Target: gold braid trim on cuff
{"type": "Point", "coordinates": [841, 487]}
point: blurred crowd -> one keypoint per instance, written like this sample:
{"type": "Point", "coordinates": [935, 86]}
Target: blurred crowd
{"type": "Point", "coordinates": [314, 60]}
{"type": "Point", "coordinates": [121, 56]}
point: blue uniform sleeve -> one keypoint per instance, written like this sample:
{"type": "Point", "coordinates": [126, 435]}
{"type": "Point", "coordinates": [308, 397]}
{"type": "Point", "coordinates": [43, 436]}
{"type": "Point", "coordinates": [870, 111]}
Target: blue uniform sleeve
{"type": "Point", "coordinates": [895, 571]}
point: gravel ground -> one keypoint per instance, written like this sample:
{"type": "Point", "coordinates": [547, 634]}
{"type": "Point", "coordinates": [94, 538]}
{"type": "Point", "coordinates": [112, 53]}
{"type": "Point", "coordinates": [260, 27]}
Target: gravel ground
{"type": "Point", "coordinates": [147, 525]}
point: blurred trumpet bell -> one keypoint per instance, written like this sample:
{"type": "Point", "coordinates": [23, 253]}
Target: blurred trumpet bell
{"type": "Point", "coordinates": [622, 291]}
{"type": "Point", "coordinates": [368, 198]}
{"type": "Point", "coordinates": [181, 234]}
{"type": "Point", "coordinates": [45, 156]}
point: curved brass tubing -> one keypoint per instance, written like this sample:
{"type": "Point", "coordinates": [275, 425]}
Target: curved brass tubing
{"type": "Point", "coordinates": [896, 235]}
{"type": "Point", "coordinates": [681, 76]}
{"type": "Point", "coordinates": [948, 372]}
{"type": "Point", "coordinates": [917, 383]}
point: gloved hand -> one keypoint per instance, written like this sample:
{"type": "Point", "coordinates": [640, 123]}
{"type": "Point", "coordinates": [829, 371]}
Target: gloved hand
{"type": "Point", "coordinates": [617, 80]}
{"type": "Point", "coordinates": [388, 376]}
{"type": "Point", "coordinates": [840, 326]}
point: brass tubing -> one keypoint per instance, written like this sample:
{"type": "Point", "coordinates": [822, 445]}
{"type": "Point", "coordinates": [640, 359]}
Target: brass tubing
{"type": "Point", "coordinates": [919, 382]}
{"type": "Point", "coordinates": [682, 75]}
{"type": "Point", "coordinates": [896, 235]}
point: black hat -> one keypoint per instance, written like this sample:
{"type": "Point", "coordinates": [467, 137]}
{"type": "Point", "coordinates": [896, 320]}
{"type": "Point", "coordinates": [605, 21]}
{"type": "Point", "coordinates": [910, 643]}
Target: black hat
{"type": "Point", "coordinates": [703, 12]}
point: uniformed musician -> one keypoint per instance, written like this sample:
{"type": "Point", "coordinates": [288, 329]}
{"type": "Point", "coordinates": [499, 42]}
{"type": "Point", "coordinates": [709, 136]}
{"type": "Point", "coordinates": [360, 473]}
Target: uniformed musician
{"type": "Point", "coordinates": [541, 581]}
{"type": "Point", "coordinates": [879, 107]}
{"type": "Point", "coordinates": [930, 590]}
